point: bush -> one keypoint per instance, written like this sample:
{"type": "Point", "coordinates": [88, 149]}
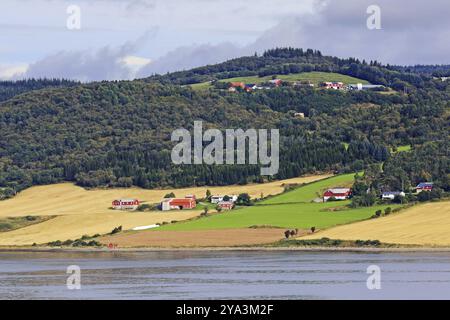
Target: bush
{"type": "Point", "coordinates": [116, 230]}
{"type": "Point", "coordinates": [146, 207]}
{"type": "Point", "coordinates": [387, 211]}
{"type": "Point", "coordinates": [170, 195]}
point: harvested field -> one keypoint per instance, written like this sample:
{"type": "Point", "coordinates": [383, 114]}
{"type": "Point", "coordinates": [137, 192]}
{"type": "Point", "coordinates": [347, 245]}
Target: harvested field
{"type": "Point", "coordinates": [198, 238]}
{"type": "Point", "coordinates": [66, 198]}
{"type": "Point", "coordinates": [76, 225]}
{"type": "Point", "coordinates": [426, 224]}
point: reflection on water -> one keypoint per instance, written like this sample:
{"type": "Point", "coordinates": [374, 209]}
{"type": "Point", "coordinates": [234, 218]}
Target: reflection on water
{"type": "Point", "coordinates": [224, 275]}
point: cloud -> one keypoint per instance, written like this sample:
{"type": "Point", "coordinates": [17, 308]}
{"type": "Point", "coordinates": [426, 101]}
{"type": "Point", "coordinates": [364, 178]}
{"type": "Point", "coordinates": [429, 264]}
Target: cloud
{"type": "Point", "coordinates": [190, 57]}
{"type": "Point", "coordinates": [8, 72]}
{"type": "Point", "coordinates": [107, 63]}
{"type": "Point", "coordinates": [411, 34]}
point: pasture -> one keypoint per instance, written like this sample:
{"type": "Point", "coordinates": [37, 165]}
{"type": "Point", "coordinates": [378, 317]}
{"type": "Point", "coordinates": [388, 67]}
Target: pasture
{"type": "Point", "coordinates": [314, 77]}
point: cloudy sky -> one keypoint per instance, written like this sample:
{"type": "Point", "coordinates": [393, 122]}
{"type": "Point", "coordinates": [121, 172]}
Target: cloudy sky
{"type": "Point", "coordinates": [125, 39]}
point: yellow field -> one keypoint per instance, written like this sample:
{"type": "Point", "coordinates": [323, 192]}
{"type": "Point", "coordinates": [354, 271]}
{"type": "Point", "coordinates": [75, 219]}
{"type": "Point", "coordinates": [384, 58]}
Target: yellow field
{"type": "Point", "coordinates": [74, 226]}
{"type": "Point", "coordinates": [81, 211]}
{"type": "Point", "coordinates": [66, 198]}
{"type": "Point", "coordinates": [427, 224]}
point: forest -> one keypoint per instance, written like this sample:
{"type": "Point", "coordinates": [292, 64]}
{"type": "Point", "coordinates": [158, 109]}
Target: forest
{"type": "Point", "coordinates": [110, 134]}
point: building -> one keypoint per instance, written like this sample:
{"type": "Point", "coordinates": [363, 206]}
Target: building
{"type": "Point", "coordinates": [424, 186]}
{"type": "Point", "coordinates": [360, 86]}
{"type": "Point", "coordinates": [237, 85]}
{"type": "Point", "coordinates": [390, 195]}
{"type": "Point", "coordinates": [276, 82]}
{"type": "Point", "coordinates": [337, 193]}
{"type": "Point", "coordinates": [249, 87]}
{"type": "Point", "coordinates": [332, 85]}
{"type": "Point", "coordinates": [226, 205]}
{"type": "Point", "coordinates": [125, 204]}
{"type": "Point", "coordinates": [217, 198]}
{"type": "Point", "coordinates": [299, 115]}
{"type": "Point", "coordinates": [178, 204]}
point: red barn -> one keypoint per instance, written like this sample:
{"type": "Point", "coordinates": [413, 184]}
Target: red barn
{"type": "Point", "coordinates": [337, 193]}
{"type": "Point", "coordinates": [174, 203]}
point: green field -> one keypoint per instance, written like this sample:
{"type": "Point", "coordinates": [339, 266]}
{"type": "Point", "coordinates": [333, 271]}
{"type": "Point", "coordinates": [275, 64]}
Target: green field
{"type": "Point", "coordinates": [405, 148]}
{"type": "Point", "coordinates": [311, 191]}
{"type": "Point", "coordinates": [315, 77]}
{"type": "Point", "coordinates": [292, 209]}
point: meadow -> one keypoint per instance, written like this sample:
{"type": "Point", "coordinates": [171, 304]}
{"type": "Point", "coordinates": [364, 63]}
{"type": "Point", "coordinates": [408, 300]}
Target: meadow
{"type": "Point", "coordinates": [292, 209]}
{"type": "Point", "coordinates": [314, 77]}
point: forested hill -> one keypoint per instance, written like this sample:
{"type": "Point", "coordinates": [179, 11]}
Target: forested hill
{"type": "Point", "coordinates": [118, 133]}
{"type": "Point", "coordinates": [282, 61]}
{"type": "Point", "coordinates": [9, 89]}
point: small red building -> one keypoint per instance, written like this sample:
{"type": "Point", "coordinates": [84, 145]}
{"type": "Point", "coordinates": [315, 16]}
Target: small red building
{"type": "Point", "coordinates": [226, 205]}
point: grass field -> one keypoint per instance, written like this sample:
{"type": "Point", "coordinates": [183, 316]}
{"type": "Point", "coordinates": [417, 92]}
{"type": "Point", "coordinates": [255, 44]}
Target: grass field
{"type": "Point", "coordinates": [426, 224]}
{"type": "Point", "coordinates": [292, 209]}
{"type": "Point", "coordinates": [301, 216]}
{"type": "Point", "coordinates": [405, 148]}
{"type": "Point", "coordinates": [315, 77]}
{"type": "Point", "coordinates": [311, 191]}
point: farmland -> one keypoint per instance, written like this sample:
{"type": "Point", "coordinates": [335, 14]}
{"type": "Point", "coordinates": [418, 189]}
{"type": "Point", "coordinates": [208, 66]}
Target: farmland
{"type": "Point", "coordinates": [426, 224]}
{"type": "Point", "coordinates": [314, 77]}
{"type": "Point", "coordinates": [79, 211]}
{"type": "Point", "coordinates": [301, 216]}
{"type": "Point", "coordinates": [293, 209]}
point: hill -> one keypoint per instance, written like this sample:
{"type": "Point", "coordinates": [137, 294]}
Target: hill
{"type": "Point", "coordinates": [117, 134]}
{"type": "Point", "coordinates": [315, 77]}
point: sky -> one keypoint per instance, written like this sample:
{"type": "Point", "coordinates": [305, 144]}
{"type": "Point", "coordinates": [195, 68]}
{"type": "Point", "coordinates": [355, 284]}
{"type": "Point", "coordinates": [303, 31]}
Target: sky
{"type": "Point", "coordinates": [127, 39]}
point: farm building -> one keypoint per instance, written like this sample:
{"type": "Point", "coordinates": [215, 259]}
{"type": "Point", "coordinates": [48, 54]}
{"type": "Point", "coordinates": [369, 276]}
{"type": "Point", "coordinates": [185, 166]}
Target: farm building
{"type": "Point", "coordinates": [226, 205]}
{"type": "Point", "coordinates": [332, 85]}
{"type": "Point", "coordinates": [217, 198]}
{"type": "Point", "coordinates": [424, 186]}
{"type": "Point", "coordinates": [276, 82]}
{"type": "Point", "coordinates": [178, 204]}
{"type": "Point", "coordinates": [337, 193]}
{"type": "Point", "coordinates": [390, 195]}
{"type": "Point", "coordinates": [237, 85]}
{"type": "Point", "coordinates": [125, 204]}
{"type": "Point", "coordinates": [249, 87]}
{"type": "Point", "coordinates": [360, 86]}
{"type": "Point", "coordinates": [300, 115]}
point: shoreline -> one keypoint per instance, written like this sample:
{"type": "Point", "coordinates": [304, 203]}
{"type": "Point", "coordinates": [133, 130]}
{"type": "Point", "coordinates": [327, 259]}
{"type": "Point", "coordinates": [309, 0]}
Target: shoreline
{"type": "Point", "coordinates": [224, 249]}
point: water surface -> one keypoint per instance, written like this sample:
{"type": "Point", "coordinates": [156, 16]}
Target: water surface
{"type": "Point", "coordinates": [224, 275]}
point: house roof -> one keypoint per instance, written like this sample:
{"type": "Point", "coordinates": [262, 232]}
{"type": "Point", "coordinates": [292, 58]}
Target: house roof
{"type": "Point", "coordinates": [425, 185]}
{"type": "Point", "coordinates": [339, 190]}
{"type": "Point", "coordinates": [386, 193]}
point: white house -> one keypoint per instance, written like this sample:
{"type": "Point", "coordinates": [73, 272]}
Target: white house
{"type": "Point", "coordinates": [216, 199]}
{"type": "Point", "coordinates": [125, 204]}
{"type": "Point", "coordinates": [390, 195]}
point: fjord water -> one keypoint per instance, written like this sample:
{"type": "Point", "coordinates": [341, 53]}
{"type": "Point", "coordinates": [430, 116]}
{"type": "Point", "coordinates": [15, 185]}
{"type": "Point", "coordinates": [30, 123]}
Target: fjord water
{"type": "Point", "coordinates": [224, 275]}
